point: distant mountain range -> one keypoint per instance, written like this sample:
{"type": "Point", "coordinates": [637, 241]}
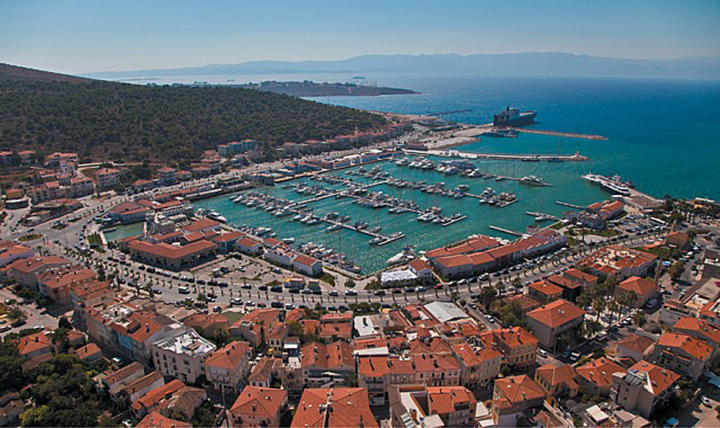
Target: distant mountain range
{"type": "Point", "coordinates": [522, 64]}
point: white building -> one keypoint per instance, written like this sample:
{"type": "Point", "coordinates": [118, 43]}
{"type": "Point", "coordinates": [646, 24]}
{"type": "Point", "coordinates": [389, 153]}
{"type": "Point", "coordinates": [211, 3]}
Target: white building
{"type": "Point", "coordinates": [182, 355]}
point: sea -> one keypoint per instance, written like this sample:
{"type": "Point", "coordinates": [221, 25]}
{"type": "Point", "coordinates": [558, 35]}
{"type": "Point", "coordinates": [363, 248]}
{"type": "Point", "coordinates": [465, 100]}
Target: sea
{"type": "Point", "coordinates": [664, 135]}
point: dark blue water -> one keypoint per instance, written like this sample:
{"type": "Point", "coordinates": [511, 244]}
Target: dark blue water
{"type": "Point", "coordinates": [662, 134]}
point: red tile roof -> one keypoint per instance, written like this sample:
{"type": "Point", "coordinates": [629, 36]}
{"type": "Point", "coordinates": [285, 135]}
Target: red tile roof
{"type": "Point", "coordinates": [443, 400]}
{"type": "Point", "coordinates": [261, 403]}
{"type": "Point", "coordinates": [641, 286]}
{"type": "Point", "coordinates": [635, 343]}
{"type": "Point", "coordinates": [517, 389]}
{"type": "Point", "coordinates": [599, 371]}
{"type": "Point", "coordinates": [34, 342]}
{"type": "Point", "coordinates": [691, 345]}
{"type": "Point", "coordinates": [229, 356]}
{"type": "Point", "coordinates": [334, 355]}
{"type": "Point", "coordinates": [156, 420]}
{"type": "Point", "coordinates": [203, 223]}
{"type": "Point", "coordinates": [557, 375]}
{"type": "Point", "coordinates": [349, 407]}
{"type": "Point", "coordinates": [156, 395]}
{"type": "Point", "coordinates": [556, 313]}
{"type": "Point", "coordinates": [660, 378]}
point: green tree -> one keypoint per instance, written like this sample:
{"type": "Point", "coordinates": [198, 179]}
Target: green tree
{"type": "Point", "coordinates": [11, 374]}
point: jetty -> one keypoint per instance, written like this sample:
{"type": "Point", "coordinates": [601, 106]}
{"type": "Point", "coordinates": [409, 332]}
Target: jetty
{"type": "Point", "coordinates": [508, 231]}
{"type": "Point", "coordinates": [526, 157]}
{"type": "Point", "coordinates": [561, 134]}
{"type": "Point", "coordinates": [568, 204]}
{"type": "Point", "coordinates": [542, 216]}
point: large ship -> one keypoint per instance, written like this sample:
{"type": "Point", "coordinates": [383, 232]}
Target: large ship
{"type": "Point", "coordinates": [611, 184]}
{"type": "Point", "coordinates": [514, 117]}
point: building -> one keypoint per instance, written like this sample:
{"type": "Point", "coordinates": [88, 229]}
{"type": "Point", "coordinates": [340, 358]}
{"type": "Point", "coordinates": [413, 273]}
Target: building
{"type": "Point", "coordinates": [643, 288]}
{"type": "Point", "coordinates": [326, 365]}
{"type": "Point", "coordinates": [677, 240]}
{"type": "Point", "coordinates": [249, 246]}
{"type": "Point", "coordinates": [549, 322]}
{"type": "Point", "coordinates": [9, 252]}
{"type": "Point", "coordinates": [700, 329]}
{"type": "Point", "coordinates": [307, 265]}
{"type": "Point", "coordinates": [420, 406]}
{"type": "Point", "coordinates": [258, 407]}
{"type": "Point", "coordinates": [513, 397]}
{"type": "Point", "coordinates": [334, 407]}
{"type": "Point", "coordinates": [254, 326]}
{"type": "Point", "coordinates": [596, 376]}
{"type": "Point", "coordinates": [264, 371]}
{"type": "Point", "coordinates": [581, 278]}
{"type": "Point", "coordinates": [174, 257]}
{"type": "Point", "coordinates": [36, 344]}
{"type": "Point", "coordinates": [644, 388]}
{"type": "Point", "coordinates": [544, 291]}
{"type": "Point", "coordinates": [227, 367]}
{"type": "Point", "coordinates": [57, 283]}
{"type": "Point", "coordinates": [89, 353]}
{"type": "Point", "coordinates": [113, 382]}
{"type": "Point", "coordinates": [622, 262]}
{"type": "Point", "coordinates": [173, 398]}
{"type": "Point", "coordinates": [633, 346]}
{"type": "Point", "coordinates": [235, 147]}
{"type": "Point", "coordinates": [11, 407]}
{"type": "Point", "coordinates": [373, 374]}
{"type": "Point", "coordinates": [182, 355]}
{"type": "Point", "coordinates": [422, 270]}
{"type": "Point", "coordinates": [138, 388]}
{"type": "Point", "coordinates": [518, 347]}
{"type": "Point", "coordinates": [156, 420]}
{"type": "Point", "coordinates": [557, 381]}
{"type": "Point", "coordinates": [682, 354]}
{"type": "Point", "coordinates": [478, 367]}
{"type": "Point", "coordinates": [25, 271]}
{"type": "Point", "coordinates": [570, 289]}
{"type": "Point", "coordinates": [166, 176]}
{"type": "Point", "coordinates": [107, 178]}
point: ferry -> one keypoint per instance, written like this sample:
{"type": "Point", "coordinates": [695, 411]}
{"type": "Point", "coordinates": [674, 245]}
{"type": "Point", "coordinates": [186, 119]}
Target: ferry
{"type": "Point", "coordinates": [612, 185]}
{"type": "Point", "coordinates": [514, 117]}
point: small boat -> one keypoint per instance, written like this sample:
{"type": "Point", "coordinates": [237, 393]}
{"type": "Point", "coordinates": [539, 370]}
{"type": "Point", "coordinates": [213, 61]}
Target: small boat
{"type": "Point", "coordinates": [333, 228]}
{"type": "Point", "coordinates": [297, 217]}
{"type": "Point", "coordinates": [288, 240]}
{"type": "Point", "coordinates": [404, 256]}
{"type": "Point", "coordinates": [376, 240]}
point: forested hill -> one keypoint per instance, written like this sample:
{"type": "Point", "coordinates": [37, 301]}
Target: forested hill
{"type": "Point", "coordinates": [107, 120]}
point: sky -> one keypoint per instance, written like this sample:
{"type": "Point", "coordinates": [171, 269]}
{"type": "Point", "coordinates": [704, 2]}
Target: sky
{"type": "Point", "coordinates": [78, 36]}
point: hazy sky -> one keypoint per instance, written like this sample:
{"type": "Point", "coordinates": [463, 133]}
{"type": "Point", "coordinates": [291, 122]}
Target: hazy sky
{"type": "Point", "coordinates": [103, 35]}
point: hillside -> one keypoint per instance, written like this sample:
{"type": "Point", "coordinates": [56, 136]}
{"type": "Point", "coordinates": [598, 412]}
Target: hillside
{"type": "Point", "coordinates": [313, 89]}
{"type": "Point", "coordinates": [100, 120]}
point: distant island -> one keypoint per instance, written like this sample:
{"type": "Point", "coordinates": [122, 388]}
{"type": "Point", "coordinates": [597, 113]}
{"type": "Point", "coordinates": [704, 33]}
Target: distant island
{"type": "Point", "coordinates": [307, 88]}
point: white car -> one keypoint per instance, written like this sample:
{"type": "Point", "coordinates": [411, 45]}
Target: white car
{"type": "Point", "coordinates": [351, 293]}
{"type": "Point", "coordinates": [542, 352]}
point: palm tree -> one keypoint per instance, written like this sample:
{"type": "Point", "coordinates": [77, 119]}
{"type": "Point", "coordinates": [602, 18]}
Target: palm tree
{"type": "Point", "coordinates": [599, 304]}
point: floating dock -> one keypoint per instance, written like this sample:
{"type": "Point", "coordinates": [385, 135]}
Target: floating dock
{"type": "Point", "coordinates": [561, 134]}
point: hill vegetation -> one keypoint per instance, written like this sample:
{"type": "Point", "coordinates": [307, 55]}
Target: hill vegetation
{"type": "Point", "coordinates": [107, 120]}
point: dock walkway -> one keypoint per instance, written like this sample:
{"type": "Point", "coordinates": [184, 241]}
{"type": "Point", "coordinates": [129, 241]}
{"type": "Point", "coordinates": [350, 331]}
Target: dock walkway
{"type": "Point", "coordinates": [527, 157]}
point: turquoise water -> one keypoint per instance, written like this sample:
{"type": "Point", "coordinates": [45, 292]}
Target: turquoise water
{"type": "Point", "coordinates": [663, 135]}
{"type": "Point", "coordinates": [423, 236]}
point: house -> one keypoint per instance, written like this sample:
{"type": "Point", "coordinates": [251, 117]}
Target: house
{"type": "Point", "coordinates": [677, 240]}
{"type": "Point", "coordinates": [156, 420]}
{"type": "Point", "coordinates": [633, 346]}
{"type": "Point", "coordinates": [36, 344]}
{"type": "Point", "coordinates": [56, 283]}
{"type": "Point", "coordinates": [249, 246]}
{"type": "Point", "coordinates": [436, 369]}
{"type": "Point", "coordinates": [513, 397]}
{"type": "Point", "coordinates": [208, 324]}
{"type": "Point", "coordinates": [11, 407]}
{"type": "Point", "coordinates": [173, 398]}
{"type": "Point", "coordinates": [182, 355]}
{"type": "Point", "coordinates": [596, 376]}
{"type": "Point", "coordinates": [518, 347]}
{"type": "Point", "coordinates": [643, 288]}
{"type": "Point", "coordinates": [89, 353]}
{"type": "Point", "coordinates": [579, 277]}
{"type": "Point", "coordinates": [137, 389]}
{"type": "Point", "coordinates": [334, 407]}
{"type": "Point", "coordinates": [478, 367]}
{"type": "Point", "coordinates": [544, 291]}
{"type": "Point", "coordinates": [570, 289]}
{"type": "Point", "coordinates": [226, 242]}
{"type": "Point", "coordinates": [549, 322]}
{"type": "Point", "coordinates": [681, 353]}
{"type": "Point", "coordinates": [422, 269]}
{"type": "Point", "coordinates": [166, 176]}
{"type": "Point", "coordinates": [307, 265]}
{"type": "Point", "coordinates": [257, 407]}
{"type": "Point", "coordinates": [422, 406]}
{"type": "Point", "coordinates": [644, 388]}
{"type": "Point", "coordinates": [373, 374]}
{"type": "Point", "coordinates": [9, 252]}
{"type": "Point", "coordinates": [106, 178]}
{"type": "Point", "coordinates": [615, 260]}
{"type": "Point", "coordinates": [557, 381]}
{"type": "Point", "coordinates": [25, 270]}
{"type": "Point", "coordinates": [113, 382]}
{"type": "Point", "coordinates": [254, 326]}
{"type": "Point", "coordinates": [228, 366]}
{"type": "Point", "coordinates": [264, 371]}
{"type": "Point", "coordinates": [700, 329]}
{"type": "Point", "coordinates": [326, 365]}
{"type": "Point", "coordinates": [276, 338]}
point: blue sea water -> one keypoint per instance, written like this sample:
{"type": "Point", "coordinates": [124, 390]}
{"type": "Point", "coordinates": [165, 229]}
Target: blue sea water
{"type": "Point", "coordinates": [663, 135]}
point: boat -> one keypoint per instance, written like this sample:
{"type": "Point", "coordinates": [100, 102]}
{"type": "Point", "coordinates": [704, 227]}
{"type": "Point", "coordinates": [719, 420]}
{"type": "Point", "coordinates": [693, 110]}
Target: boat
{"type": "Point", "coordinates": [375, 229]}
{"type": "Point", "coordinates": [406, 255]}
{"type": "Point", "coordinates": [501, 133]}
{"type": "Point", "coordinates": [475, 173]}
{"type": "Point", "coordinates": [297, 217]}
{"type": "Point", "coordinates": [214, 215]}
{"type": "Point", "coordinates": [333, 228]}
{"type": "Point", "coordinates": [611, 184]}
{"type": "Point", "coordinates": [451, 170]}
{"type": "Point", "coordinates": [514, 117]}
{"type": "Point", "coordinates": [532, 180]}
{"type": "Point", "coordinates": [263, 231]}
{"type": "Point", "coordinates": [377, 240]}
{"type": "Point", "coordinates": [288, 240]}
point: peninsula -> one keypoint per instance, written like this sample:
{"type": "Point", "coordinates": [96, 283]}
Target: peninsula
{"type": "Point", "coordinates": [308, 88]}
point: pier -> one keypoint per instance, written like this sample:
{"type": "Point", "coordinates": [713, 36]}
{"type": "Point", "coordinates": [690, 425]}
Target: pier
{"type": "Point", "coordinates": [561, 134]}
{"type": "Point", "coordinates": [508, 231]}
{"type": "Point", "coordinates": [526, 157]}
{"type": "Point", "coordinates": [568, 204]}
{"type": "Point", "coordinates": [544, 216]}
